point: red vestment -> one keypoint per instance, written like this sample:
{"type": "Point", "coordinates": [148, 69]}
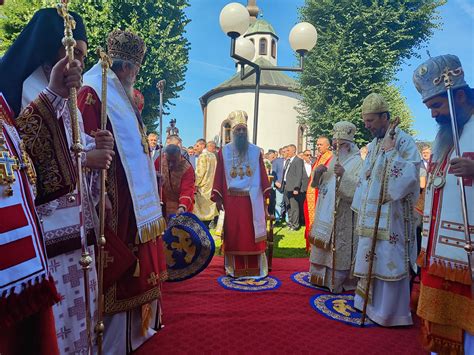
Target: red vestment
{"type": "Point", "coordinates": [239, 235]}
{"type": "Point", "coordinates": [442, 299]}
{"type": "Point", "coordinates": [26, 317]}
{"type": "Point", "coordinates": [312, 196]}
{"type": "Point", "coordinates": [178, 186]}
{"type": "Point", "coordinates": [133, 270]}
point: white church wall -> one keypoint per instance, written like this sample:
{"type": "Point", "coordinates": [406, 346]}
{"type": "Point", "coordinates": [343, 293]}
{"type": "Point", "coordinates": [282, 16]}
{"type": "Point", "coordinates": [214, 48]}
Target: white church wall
{"type": "Point", "coordinates": [277, 122]}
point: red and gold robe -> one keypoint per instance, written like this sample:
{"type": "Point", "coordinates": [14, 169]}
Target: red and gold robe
{"type": "Point", "coordinates": [312, 197]}
{"type": "Point", "coordinates": [178, 186]}
{"type": "Point", "coordinates": [239, 235]}
{"type": "Point", "coordinates": [26, 317]}
{"type": "Point", "coordinates": [446, 304]}
{"type": "Point", "coordinates": [133, 270]}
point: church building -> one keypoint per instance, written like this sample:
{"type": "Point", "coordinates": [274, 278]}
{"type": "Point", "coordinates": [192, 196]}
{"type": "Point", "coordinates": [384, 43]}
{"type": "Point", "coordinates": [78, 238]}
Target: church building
{"type": "Point", "coordinates": [278, 117]}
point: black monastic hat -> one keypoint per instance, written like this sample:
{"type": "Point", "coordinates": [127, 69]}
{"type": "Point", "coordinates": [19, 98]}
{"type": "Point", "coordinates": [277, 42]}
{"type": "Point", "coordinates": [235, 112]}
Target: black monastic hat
{"type": "Point", "coordinates": [38, 43]}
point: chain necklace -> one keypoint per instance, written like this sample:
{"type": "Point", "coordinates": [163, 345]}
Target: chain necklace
{"type": "Point", "coordinates": [237, 166]}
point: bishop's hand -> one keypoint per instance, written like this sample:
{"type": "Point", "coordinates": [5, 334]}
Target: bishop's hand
{"type": "Point", "coordinates": [320, 169]}
{"type": "Point", "coordinates": [104, 140]}
{"type": "Point", "coordinates": [64, 77]}
{"type": "Point", "coordinates": [338, 169]}
{"type": "Point", "coordinates": [462, 167]}
{"type": "Point", "coordinates": [99, 158]}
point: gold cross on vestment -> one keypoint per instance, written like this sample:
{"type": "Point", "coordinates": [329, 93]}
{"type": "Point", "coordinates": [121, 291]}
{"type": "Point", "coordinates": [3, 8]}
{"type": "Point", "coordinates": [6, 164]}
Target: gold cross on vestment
{"type": "Point", "coordinates": [90, 99]}
{"type": "Point", "coordinates": [107, 259]}
{"type": "Point", "coordinates": [153, 280]}
{"type": "Point", "coordinates": [8, 165]}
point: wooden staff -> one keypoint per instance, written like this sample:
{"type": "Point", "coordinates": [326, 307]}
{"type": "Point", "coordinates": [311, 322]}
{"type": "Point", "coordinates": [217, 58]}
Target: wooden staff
{"type": "Point", "coordinates": [333, 247]}
{"type": "Point", "coordinates": [271, 219]}
{"type": "Point", "coordinates": [77, 148]}
{"type": "Point", "coordinates": [161, 88]}
{"type": "Point", "coordinates": [106, 63]}
{"type": "Point", "coordinates": [391, 135]}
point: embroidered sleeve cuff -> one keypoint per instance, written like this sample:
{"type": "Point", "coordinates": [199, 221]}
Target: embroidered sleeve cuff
{"type": "Point", "coordinates": [59, 103]}
{"type": "Point", "coordinates": [90, 143]}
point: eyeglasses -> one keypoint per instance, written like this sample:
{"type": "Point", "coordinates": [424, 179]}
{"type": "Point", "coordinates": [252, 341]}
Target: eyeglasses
{"type": "Point", "coordinates": [307, 155]}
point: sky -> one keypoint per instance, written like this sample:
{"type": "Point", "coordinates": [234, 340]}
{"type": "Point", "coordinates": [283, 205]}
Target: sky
{"type": "Point", "coordinates": [210, 63]}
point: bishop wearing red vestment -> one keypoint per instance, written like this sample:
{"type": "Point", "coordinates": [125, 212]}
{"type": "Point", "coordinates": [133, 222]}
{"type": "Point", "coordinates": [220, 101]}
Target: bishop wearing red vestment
{"type": "Point", "coordinates": [135, 264]}
{"type": "Point", "coordinates": [240, 188]}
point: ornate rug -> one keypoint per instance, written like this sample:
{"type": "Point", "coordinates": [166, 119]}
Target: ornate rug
{"type": "Point", "coordinates": [249, 285]}
{"type": "Point", "coordinates": [302, 278]}
{"type": "Point", "coordinates": [188, 247]}
{"type": "Point", "coordinates": [339, 308]}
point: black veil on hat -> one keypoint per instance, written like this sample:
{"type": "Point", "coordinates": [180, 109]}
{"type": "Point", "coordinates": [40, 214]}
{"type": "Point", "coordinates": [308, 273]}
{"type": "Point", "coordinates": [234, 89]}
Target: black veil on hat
{"type": "Point", "coordinates": [39, 42]}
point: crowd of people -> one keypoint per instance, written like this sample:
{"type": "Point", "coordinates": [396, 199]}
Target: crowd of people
{"type": "Point", "coordinates": [359, 214]}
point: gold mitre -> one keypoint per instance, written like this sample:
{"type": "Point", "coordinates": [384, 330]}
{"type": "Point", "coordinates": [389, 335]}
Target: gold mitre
{"type": "Point", "coordinates": [126, 45]}
{"type": "Point", "coordinates": [344, 130]}
{"type": "Point", "coordinates": [374, 103]}
{"type": "Point", "coordinates": [238, 118]}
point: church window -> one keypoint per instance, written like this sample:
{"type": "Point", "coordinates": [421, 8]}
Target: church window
{"type": "Point", "coordinates": [274, 49]}
{"type": "Point", "coordinates": [226, 132]}
{"type": "Point", "coordinates": [262, 46]}
{"type": "Point", "coordinates": [301, 138]}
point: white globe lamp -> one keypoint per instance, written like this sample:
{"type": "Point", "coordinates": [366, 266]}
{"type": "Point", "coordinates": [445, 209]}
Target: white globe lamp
{"type": "Point", "coordinates": [244, 48]}
{"type": "Point", "coordinates": [303, 37]}
{"type": "Point", "coordinates": [234, 19]}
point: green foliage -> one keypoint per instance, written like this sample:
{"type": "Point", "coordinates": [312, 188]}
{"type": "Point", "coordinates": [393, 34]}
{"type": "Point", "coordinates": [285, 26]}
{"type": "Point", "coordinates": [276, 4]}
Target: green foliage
{"type": "Point", "coordinates": [161, 23]}
{"type": "Point", "coordinates": [361, 44]}
{"type": "Point", "coordinates": [287, 243]}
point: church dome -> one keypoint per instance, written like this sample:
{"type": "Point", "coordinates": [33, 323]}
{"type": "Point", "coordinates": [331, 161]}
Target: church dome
{"type": "Point", "coordinates": [269, 79]}
{"type": "Point", "coordinates": [261, 27]}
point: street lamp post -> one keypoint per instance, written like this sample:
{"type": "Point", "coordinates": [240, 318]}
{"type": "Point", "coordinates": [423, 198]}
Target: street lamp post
{"type": "Point", "coordinates": [234, 20]}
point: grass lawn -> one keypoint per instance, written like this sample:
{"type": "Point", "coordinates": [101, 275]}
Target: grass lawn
{"type": "Point", "coordinates": [286, 243]}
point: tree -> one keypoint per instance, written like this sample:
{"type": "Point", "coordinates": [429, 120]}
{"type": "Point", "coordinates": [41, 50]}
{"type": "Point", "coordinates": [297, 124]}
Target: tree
{"type": "Point", "coordinates": [161, 23]}
{"type": "Point", "coordinates": [361, 44]}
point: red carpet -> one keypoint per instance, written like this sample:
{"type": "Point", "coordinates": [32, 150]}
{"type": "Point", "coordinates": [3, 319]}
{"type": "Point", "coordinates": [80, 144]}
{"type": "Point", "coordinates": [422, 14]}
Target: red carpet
{"type": "Point", "coordinates": [201, 317]}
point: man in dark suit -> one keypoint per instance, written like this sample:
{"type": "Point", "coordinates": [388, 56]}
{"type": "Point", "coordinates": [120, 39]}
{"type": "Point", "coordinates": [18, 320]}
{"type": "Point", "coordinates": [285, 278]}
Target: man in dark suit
{"type": "Point", "coordinates": [293, 180]}
{"type": "Point", "coordinates": [277, 172]}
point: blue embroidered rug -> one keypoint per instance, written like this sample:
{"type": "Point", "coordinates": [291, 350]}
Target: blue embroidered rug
{"type": "Point", "coordinates": [188, 247]}
{"type": "Point", "coordinates": [302, 278]}
{"type": "Point", "coordinates": [340, 308]}
{"type": "Point", "coordinates": [249, 285]}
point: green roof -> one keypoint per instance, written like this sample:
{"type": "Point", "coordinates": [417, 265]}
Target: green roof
{"type": "Point", "coordinates": [269, 79]}
{"type": "Point", "coordinates": [260, 26]}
